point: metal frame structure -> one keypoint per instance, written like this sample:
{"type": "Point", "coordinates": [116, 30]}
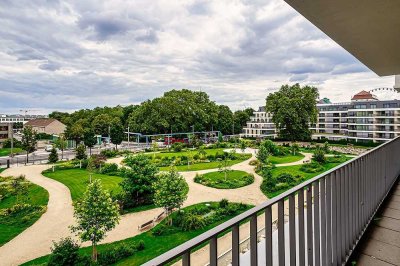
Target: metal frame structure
{"type": "Point", "coordinates": [333, 211]}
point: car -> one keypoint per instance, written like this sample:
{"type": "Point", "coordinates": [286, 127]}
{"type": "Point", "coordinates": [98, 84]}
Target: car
{"type": "Point", "coordinates": [49, 148]}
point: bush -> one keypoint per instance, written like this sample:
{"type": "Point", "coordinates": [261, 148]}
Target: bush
{"type": "Point", "coordinates": [159, 230]}
{"type": "Point", "coordinates": [177, 147]}
{"type": "Point", "coordinates": [96, 161]}
{"type": "Point", "coordinates": [319, 155]}
{"type": "Point", "coordinates": [109, 153]}
{"type": "Point", "coordinates": [191, 221]}
{"type": "Point", "coordinates": [16, 143]}
{"type": "Point", "coordinates": [109, 168]}
{"type": "Point", "coordinates": [65, 252]}
{"type": "Point", "coordinates": [117, 253]}
{"type": "Point", "coordinates": [80, 152]}
{"type": "Point", "coordinates": [223, 203]}
{"type": "Point", "coordinates": [53, 157]}
{"type": "Point", "coordinates": [254, 162]}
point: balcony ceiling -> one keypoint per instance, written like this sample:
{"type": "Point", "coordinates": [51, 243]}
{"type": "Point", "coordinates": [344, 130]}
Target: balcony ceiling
{"type": "Point", "coordinates": [368, 29]}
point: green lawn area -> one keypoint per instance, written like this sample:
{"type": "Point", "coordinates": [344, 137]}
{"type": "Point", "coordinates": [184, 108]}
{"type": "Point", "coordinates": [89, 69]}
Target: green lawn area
{"type": "Point", "coordinates": [17, 221]}
{"type": "Point", "coordinates": [285, 159]}
{"type": "Point", "coordinates": [295, 170]}
{"type": "Point", "coordinates": [2, 169]}
{"type": "Point", "coordinates": [234, 179]}
{"type": "Point", "coordinates": [157, 245]}
{"type": "Point", "coordinates": [7, 151]}
{"type": "Point", "coordinates": [78, 179]}
{"type": "Point", "coordinates": [202, 166]}
{"type": "Point", "coordinates": [187, 152]}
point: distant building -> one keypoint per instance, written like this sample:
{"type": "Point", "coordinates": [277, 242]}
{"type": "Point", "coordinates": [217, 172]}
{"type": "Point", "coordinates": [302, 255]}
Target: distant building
{"type": "Point", "coordinates": [5, 132]}
{"type": "Point", "coordinates": [47, 125]}
{"type": "Point", "coordinates": [365, 118]}
{"type": "Point", "coordinates": [18, 118]}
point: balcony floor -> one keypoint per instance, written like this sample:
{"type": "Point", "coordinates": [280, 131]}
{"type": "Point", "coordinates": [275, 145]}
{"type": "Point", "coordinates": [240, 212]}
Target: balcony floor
{"type": "Point", "coordinates": [381, 244]}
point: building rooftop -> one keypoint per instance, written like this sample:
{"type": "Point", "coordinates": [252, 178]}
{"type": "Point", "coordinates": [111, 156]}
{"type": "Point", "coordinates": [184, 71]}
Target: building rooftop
{"type": "Point", "coordinates": [40, 122]}
{"type": "Point", "coordinates": [364, 95]}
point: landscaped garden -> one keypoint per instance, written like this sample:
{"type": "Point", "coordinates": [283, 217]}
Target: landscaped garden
{"type": "Point", "coordinates": [194, 160]}
{"type": "Point", "coordinates": [225, 180]}
{"type": "Point", "coordinates": [21, 204]}
{"type": "Point", "coordinates": [179, 227]}
{"type": "Point", "coordinates": [289, 158]}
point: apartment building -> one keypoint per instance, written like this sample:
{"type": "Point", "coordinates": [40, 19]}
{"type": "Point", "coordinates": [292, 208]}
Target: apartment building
{"type": "Point", "coordinates": [5, 132]}
{"type": "Point", "coordinates": [18, 118]}
{"type": "Point", "coordinates": [365, 118]}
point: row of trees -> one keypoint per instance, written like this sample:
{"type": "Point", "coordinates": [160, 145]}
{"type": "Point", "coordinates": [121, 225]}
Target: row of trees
{"type": "Point", "coordinates": [176, 111]}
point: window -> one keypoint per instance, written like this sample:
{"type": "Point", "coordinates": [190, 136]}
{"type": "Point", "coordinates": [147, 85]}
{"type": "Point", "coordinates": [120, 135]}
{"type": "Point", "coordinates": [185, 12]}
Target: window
{"type": "Point", "coordinates": [373, 106]}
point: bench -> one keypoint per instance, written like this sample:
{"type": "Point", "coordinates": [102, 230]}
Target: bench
{"type": "Point", "coordinates": [146, 225]}
{"type": "Point", "coordinates": [306, 161]}
{"type": "Point", "coordinates": [156, 219]}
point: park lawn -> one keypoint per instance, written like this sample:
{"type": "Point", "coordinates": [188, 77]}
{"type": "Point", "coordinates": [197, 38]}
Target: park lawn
{"type": "Point", "coordinates": [7, 151]}
{"type": "Point", "coordinates": [13, 225]}
{"type": "Point", "coordinates": [77, 181]}
{"type": "Point", "coordinates": [285, 159]}
{"type": "Point", "coordinates": [234, 179]}
{"type": "Point", "coordinates": [202, 166]}
{"type": "Point", "coordinates": [154, 245]}
{"type": "Point", "coordinates": [295, 170]}
{"type": "Point", "coordinates": [2, 169]}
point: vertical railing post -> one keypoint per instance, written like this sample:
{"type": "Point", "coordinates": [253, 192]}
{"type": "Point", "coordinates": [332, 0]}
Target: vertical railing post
{"type": "Point", "coordinates": [316, 224]}
{"type": "Point", "coordinates": [300, 203]}
{"type": "Point", "coordinates": [214, 251]}
{"type": "Point", "coordinates": [309, 226]}
{"type": "Point", "coordinates": [281, 232]}
{"type": "Point", "coordinates": [253, 240]}
{"type": "Point", "coordinates": [268, 236]}
{"type": "Point", "coordinates": [292, 229]}
{"type": "Point", "coordinates": [235, 245]}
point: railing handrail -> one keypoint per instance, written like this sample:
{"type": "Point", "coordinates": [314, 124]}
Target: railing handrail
{"type": "Point", "coordinates": [187, 246]}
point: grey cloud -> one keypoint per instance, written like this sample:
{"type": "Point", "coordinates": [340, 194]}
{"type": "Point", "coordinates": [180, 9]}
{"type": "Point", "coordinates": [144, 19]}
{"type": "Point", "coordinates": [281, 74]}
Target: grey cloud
{"type": "Point", "coordinates": [50, 66]}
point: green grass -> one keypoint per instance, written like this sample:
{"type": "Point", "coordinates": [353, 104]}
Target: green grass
{"type": "Point", "coordinates": [234, 179]}
{"type": "Point", "coordinates": [2, 169]}
{"type": "Point", "coordinates": [186, 153]}
{"type": "Point", "coordinates": [203, 166]}
{"type": "Point", "coordinates": [7, 151]}
{"type": "Point", "coordinates": [78, 179]}
{"type": "Point", "coordinates": [13, 225]}
{"type": "Point", "coordinates": [154, 245]}
{"type": "Point", "coordinates": [285, 159]}
{"type": "Point", "coordinates": [295, 170]}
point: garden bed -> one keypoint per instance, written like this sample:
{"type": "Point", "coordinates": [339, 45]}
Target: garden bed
{"type": "Point", "coordinates": [19, 211]}
{"type": "Point", "coordinates": [163, 237]}
{"type": "Point", "coordinates": [233, 179]}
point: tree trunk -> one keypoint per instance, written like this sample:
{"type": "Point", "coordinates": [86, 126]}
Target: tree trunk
{"type": "Point", "coordinates": [27, 157]}
{"type": "Point", "coordinates": [90, 151]}
{"type": "Point", "coordinates": [94, 252]}
{"type": "Point", "coordinates": [62, 154]}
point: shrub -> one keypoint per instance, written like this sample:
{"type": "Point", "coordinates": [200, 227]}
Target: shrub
{"type": "Point", "coordinates": [177, 147]}
{"type": "Point", "coordinates": [285, 178]}
{"type": "Point", "coordinates": [191, 221]}
{"type": "Point", "coordinates": [223, 203]}
{"type": "Point", "coordinates": [109, 153]}
{"type": "Point", "coordinates": [159, 230]}
{"type": "Point", "coordinates": [80, 152]}
{"type": "Point", "coordinates": [108, 168]}
{"type": "Point", "coordinates": [16, 143]}
{"type": "Point", "coordinates": [118, 252]}
{"type": "Point", "coordinates": [96, 161]}
{"type": "Point", "coordinates": [53, 157]}
{"type": "Point", "coordinates": [254, 162]}
{"type": "Point", "coordinates": [319, 155]}
{"type": "Point", "coordinates": [65, 252]}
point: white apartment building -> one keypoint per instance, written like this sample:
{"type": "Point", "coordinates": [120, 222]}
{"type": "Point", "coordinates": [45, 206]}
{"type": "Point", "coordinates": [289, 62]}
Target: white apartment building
{"type": "Point", "coordinates": [365, 118]}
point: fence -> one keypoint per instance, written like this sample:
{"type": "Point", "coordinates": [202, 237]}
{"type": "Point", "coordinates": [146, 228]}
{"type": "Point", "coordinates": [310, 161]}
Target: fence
{"type": "Point", "coordinates": [330, 211]}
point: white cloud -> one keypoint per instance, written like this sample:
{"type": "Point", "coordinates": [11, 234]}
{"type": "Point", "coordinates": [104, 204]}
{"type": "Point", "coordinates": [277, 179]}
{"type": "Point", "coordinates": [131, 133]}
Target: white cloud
{"type": "Point", "coordinates": [81, 54]}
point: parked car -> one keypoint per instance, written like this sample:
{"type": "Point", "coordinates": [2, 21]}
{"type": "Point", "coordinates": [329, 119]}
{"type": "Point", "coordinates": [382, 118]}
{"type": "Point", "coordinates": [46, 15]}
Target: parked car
{"type": "Point", "coordinates": [48, 148]}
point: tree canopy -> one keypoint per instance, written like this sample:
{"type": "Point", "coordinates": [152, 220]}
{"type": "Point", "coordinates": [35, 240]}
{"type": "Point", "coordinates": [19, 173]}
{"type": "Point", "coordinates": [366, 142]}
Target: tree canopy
{"type": "Point", "coordinates": [293, 109]}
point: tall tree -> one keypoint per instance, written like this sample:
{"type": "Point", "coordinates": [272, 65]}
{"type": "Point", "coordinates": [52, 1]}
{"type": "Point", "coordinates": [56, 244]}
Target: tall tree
{"type": "Point", "coordinates": [139, 175]}
{"type": "Point", "coordinates": [117, 132]}
{"type": "Point", "coordinates": [96, 214]}
{"type": "Point", "coordinates": [29, 141]}
{"type": "Point", "coordinates": [170, 190]}
{"type": "Point", "coordinates": [225, 120]}
{"type": "Point", "coordinates": [101, 124]}
{"type": "Point", "coordinates": [293, 108]}
{"type": "Point", "coordinates": [89, 139]}
{"type": "Point", "coordinates": [241, 117]}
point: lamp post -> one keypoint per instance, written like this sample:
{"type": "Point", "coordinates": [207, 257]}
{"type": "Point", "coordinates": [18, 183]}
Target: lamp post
{"type": "Point", "coordinates": [128, 138]}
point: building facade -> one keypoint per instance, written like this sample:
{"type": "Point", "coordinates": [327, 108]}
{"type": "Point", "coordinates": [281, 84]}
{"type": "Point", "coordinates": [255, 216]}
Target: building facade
{"type": "Point", "coordinates": [5, 132]}
{"type": "Point", "coordinates": [365, 118]}
{"type": "Point", "coordinates": [47, 125]}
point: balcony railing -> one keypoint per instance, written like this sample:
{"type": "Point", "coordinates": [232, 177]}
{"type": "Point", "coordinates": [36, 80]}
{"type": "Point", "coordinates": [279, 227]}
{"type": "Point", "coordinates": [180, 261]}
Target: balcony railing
{"type": "Point", "coordinates": [325, 217]}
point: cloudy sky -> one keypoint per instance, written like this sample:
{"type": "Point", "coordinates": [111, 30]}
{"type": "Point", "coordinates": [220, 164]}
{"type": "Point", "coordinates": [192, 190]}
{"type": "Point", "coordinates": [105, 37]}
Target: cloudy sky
{"type": "Point", "coordinates": [57, 55]}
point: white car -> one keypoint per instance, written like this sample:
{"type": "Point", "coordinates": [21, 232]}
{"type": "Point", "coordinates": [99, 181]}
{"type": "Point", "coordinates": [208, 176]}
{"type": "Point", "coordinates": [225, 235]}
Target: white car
{"type": "Point", "coordinates": [49, 148]}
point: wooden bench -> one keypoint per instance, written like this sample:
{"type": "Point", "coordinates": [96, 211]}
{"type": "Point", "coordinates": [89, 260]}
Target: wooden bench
{"type": "Point", "coordinates": [156, 219]}
{"type": "Point", "coordinates": [146, 225]}
{"type": "Point", "coordinates": [306, 161]}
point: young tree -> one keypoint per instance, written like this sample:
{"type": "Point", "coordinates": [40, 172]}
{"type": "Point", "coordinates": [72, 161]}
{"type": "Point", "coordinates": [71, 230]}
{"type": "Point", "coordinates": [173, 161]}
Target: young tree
{"type": "Point", "coordinates": [29, 141]}
{"type": "Point", "coordinates": [117, 132]}
{"type": "Point", "coordinates": [262, 154]}
{"type": "Point", "coordinates": [139, 176]}
{"type": "Point", "coordinates": [223, 166]}
{"type": "Point", "coordinates": [170, 190]}
{"type": "Point", "coordinates": [53, 156]}
{"type": "Point", "coordinates": [319, 155]}
{"type": "Point", "coordinates": [80, 152]}
{"type": "Point", "coordinates": [243, 145]}
{"type": "Point", "coordinates": [293, 109]}
{"type": "Point", "coordinates": [96, 214]}
{"type": "Point", "coordinates": [89, 139]}
{"type": "Point", "coordinates": [61, 143]}
{"type": "Point", "coordinates": [295, 148]}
